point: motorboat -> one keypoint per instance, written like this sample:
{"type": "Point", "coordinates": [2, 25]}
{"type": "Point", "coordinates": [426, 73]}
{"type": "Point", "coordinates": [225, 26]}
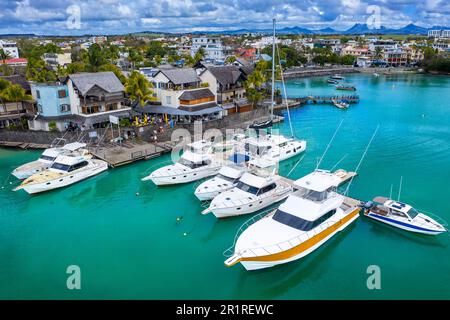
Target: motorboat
{"type": "Point", "coordinates": [347, 87]}
{"type": "Point", "coordinates": [309, 217]}
{"type": "Point", "coordinates": [226, 179]}
{"type": "Point", "coordinates": [332, 81]}
{"type": "Point", "coordinates": [65, 170]}
{"type": "Point", "coordinates": [274, 147]}
{"type": "Point", "coordinates": [402, 216]}
{"type": "Point", "coordinates": [198, 161]}
{"type": "Point", "coordinates": [47, 158]}
{"type": "Point", "coordinates": [340, 104]}
{"type": "Point", "coordinates": [337, 77]}
{"type": "Point", "coordinates": [257, 189]}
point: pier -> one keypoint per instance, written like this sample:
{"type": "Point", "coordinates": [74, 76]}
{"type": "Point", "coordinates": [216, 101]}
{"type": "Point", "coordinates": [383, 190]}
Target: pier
{"type": "Point", "coordinates": [23, 145]}
{"type": "Point", "coordinates": [128, 152]}
{"type": "Point", "coordinates": [297, 102]}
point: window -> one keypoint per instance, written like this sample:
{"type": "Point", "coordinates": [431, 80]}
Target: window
{"type": "Point", "coordinates": [62, 93]}
{"type": "Point", "coordinates": [168, 100]}
{"type": "Point", "coordinates": [60, 166]}
{"type": "Point", "coordinates": [299, 223]}
{"type": "Point", "coordinates": [38, 94]}
{"type": "Point", "coordinates": [412, 213]}
{"type": "Point", "coordinates": [78, 166]}
{"type": "Point", "coordinates": [39, 107]}
{"type": "Point", "coordinates": [64, 108]}
{"type": "Point", "coordinates": [247, 188]}
{"type": "Point", "coordinates": [267, 188]}
{"type": "Point", "coordinates": [48, 158]}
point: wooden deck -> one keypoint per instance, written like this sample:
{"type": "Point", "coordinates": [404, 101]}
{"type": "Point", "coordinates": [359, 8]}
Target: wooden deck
{"type": "Point", "coordinates": [131, 152]}
{"type": "Point", "coordinates": [23, 145]}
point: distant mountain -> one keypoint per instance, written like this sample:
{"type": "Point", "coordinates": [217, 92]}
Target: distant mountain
{"type": "Point", "coordinates": [326, 31]}
{"type": "Point", "coordinates": [295, 30]}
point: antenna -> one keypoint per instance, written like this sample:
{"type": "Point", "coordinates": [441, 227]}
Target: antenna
{"type": "Point", "coordinates": [345, 156]}
{"type": "Point", "coordinates": [390, 194]}
{"type": "Point", "coordinates": [329, 144]}
{"type": "Point", "coordinates": [362, 158]}
{"type": "Point", "coordinates": [295, 166]}
{"type": "Point", "coordinates": [273, 69]}
{"type": "Point", "coordinates": [400, 188]}
{"type": "Point", "coordinates": [285, 93]}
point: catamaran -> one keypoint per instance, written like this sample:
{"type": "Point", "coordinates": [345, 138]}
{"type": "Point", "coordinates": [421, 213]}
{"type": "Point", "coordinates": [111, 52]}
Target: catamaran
{"type": "Point", "coordinates": [65, 170]}
{"type": "Point", "coordinates": [255, 190]}
{"type": "Point", "coordinates": [47, 158]}
{"type": "Point", "coordinates": [308, 218]}
{"type": "Point", "coordinates": [402, 216]}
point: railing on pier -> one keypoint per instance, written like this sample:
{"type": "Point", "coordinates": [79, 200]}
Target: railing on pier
{"type": "Point", "coordinates": [325, 99]}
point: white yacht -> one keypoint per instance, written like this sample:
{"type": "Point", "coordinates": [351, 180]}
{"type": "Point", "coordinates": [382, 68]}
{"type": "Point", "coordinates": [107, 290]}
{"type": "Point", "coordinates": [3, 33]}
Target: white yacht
{"type": "Point", "coordinates": [199, 161]}
{"type": "Point", "coordinates": [255, 190]}
{"type": "Point", "coordinates": [65, 170]}
{"type": "Point", "coordinates": [308, 218]}
{"type": "Point", "coordinates": [402, 216]}
{"type": "Point", "coordinates": [274, 147]}
{"type": "Point", "coordinates": [47, 158]}
{"type": "Point", "coordinates": [227, 178]}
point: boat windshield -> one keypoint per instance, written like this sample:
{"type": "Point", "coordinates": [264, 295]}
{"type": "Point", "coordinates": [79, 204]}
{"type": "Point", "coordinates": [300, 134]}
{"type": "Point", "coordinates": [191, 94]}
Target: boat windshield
{"type": "Point", "coordinates": [247, 188]}
{"type": "Point", "coordinates": [191, 164]}
{"type": "Point", "coordinates": [60, 166]}
{"type": "Point", "coordinates": [47, 158]}
{"type": "Point", "coordinates": [412, 213]}
{"type": "Point", "coordinates": [229, 179]}
{"type": "Point", "coordinates": [299, 223]}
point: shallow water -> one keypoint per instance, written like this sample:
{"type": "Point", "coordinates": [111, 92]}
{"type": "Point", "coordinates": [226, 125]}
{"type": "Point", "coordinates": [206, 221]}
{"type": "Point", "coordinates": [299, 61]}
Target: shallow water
{"type": "Point", "coordinates": [132, 247]}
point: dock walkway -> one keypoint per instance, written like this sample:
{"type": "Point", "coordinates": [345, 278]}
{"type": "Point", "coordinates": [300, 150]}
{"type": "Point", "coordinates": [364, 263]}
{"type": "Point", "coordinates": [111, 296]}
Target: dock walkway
{"type": "Point", "coordinates": [130, 152]}
{"type": "Point", "coordinates": [23, 145]}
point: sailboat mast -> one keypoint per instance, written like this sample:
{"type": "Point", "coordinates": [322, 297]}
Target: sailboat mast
{"type": "Point", "coordinates": [273, 72]}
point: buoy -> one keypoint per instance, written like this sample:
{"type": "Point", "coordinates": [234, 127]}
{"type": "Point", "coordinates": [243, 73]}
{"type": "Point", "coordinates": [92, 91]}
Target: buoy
{"type": "Point", "coordinates": [10, 182]}
{"type": "Point", "coordinates": [185, 234]}
{"type": "Point", "coordinates": [137, 193]}
{"type": "Point", "coordinates": [179, 219]}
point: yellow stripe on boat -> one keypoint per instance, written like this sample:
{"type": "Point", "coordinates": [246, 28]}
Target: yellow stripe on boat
{"type": "Point", "coordinates": [304, 245]}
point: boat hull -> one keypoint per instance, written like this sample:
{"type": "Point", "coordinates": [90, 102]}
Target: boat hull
{"type": "Point", "coordinates": [289, 152]}
{"type": "Point", "coordinates": [401, 225]}
{"type": "Point", "coordinates": [251, 207]}
{"type": "Point", "coordinates": [206, 196]}
{"type": "Point", "coordinates": [301, 252]}
{"type": "Point", "coordinates": [185, 178]}
{"type": "Point", "coordinates": [66, 180]}
{"type": "Point", "coordinates": [27, 170]}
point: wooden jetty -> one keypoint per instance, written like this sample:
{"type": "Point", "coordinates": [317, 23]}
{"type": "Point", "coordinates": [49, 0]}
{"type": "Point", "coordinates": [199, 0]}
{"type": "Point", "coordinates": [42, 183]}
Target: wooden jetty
{"type": "Point", "coordinates": [300, 101]}
{"type": "Point", "coordinates": [128, 152]}
{"type": "Point", "coordinates": [23, 145]}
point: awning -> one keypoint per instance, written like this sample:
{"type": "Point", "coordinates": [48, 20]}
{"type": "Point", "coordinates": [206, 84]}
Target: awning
{"type": "Point", "coordinates": [105, 117]}
{"type": "Point", "coordinates": [152, 109]}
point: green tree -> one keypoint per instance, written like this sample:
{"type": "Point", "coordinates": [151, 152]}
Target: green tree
{"type": "Point", "coordinates": [95, 57]}
{"type": "Point", "coordinates": [15, 93]}
{"type": "Point", "coordinates": [155, 48]}
{"type": "Point", "coordinates": [199, 55]}
{"type": "Point", "coordinates": [38, 71]}
{"type": "Point", "coordinates": [4, 56]}
{"type": "Point", "coordinates": [115, 69]}
{"type": "Point", "coordinates": [139, 88]}
{"type": "Point", "coordinates": [378, 53]}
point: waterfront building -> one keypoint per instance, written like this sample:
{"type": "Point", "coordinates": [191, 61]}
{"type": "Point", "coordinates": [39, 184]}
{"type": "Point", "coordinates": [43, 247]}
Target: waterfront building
{"type": "Point", "coordinates": [10, 48]}
{"type": "Point", "coordinates": [395, 57]}
{"type": "Point", "coordinates": [357, 52]}
{"type": "Point", "coordinates": [181, 94]}
{"type": "Point", "coordinates": [83, 101]}
{"type": "Point", "coordinates": [438, 33]}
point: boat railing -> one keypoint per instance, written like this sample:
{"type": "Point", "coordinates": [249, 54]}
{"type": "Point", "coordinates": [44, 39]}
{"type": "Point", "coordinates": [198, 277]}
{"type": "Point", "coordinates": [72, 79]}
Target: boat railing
{"type": "Point", "coordinates": [263, 214]}
{"type": "Point", "coordinates": [182, 172]}
{"type": "Point", "coordinates": [286, 244]}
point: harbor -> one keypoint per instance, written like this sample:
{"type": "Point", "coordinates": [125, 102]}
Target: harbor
{"type": "Point", "coordinates": [137, 216]}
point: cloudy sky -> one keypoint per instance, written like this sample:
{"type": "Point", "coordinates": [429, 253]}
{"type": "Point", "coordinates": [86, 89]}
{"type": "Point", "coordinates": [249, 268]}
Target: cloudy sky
{"type": "Point", "coordinates": [123, 16]}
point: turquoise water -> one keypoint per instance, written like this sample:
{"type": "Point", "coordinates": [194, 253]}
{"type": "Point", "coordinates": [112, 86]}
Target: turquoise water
{"type": "Point", "coordinates": [131, 246]}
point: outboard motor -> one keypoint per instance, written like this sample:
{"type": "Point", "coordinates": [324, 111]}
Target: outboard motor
{"type": "Point", "coordinates": [367, 205]}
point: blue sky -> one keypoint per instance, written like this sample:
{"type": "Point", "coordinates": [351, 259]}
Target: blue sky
{"type": "Point", "coordinates": [122, 16]}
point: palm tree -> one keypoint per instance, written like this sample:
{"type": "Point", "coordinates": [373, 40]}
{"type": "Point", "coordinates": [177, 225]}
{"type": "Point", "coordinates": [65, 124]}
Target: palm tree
{"type": "Point", "coordinates": [200, 54]}
{"type": "Point", "coordinates": [378, 52]}
{"type": "Point", "coordinates": [4, 56]}
{"type": "Point", "coordinates": [139, 88]}
{"type": "Point", "coordinates": [15, 93]}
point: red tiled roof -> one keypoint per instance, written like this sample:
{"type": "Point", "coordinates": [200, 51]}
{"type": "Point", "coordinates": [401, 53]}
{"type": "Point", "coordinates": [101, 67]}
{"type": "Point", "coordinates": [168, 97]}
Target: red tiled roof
{"type": "Point", "coordinates": [14, 60]}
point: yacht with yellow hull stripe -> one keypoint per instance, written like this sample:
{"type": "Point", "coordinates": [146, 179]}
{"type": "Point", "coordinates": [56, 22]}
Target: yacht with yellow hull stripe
{"type": "Point", "coordinates": [309, 217]}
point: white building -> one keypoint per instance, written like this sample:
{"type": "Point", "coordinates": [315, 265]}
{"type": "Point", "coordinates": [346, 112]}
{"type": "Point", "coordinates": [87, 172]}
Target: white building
{"type": "Point", "coordinates": [439, 33]}
{"type": "Point", "coordinates": [10, 48]}
{"type": "Point", "coordinates": [214, 50]}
